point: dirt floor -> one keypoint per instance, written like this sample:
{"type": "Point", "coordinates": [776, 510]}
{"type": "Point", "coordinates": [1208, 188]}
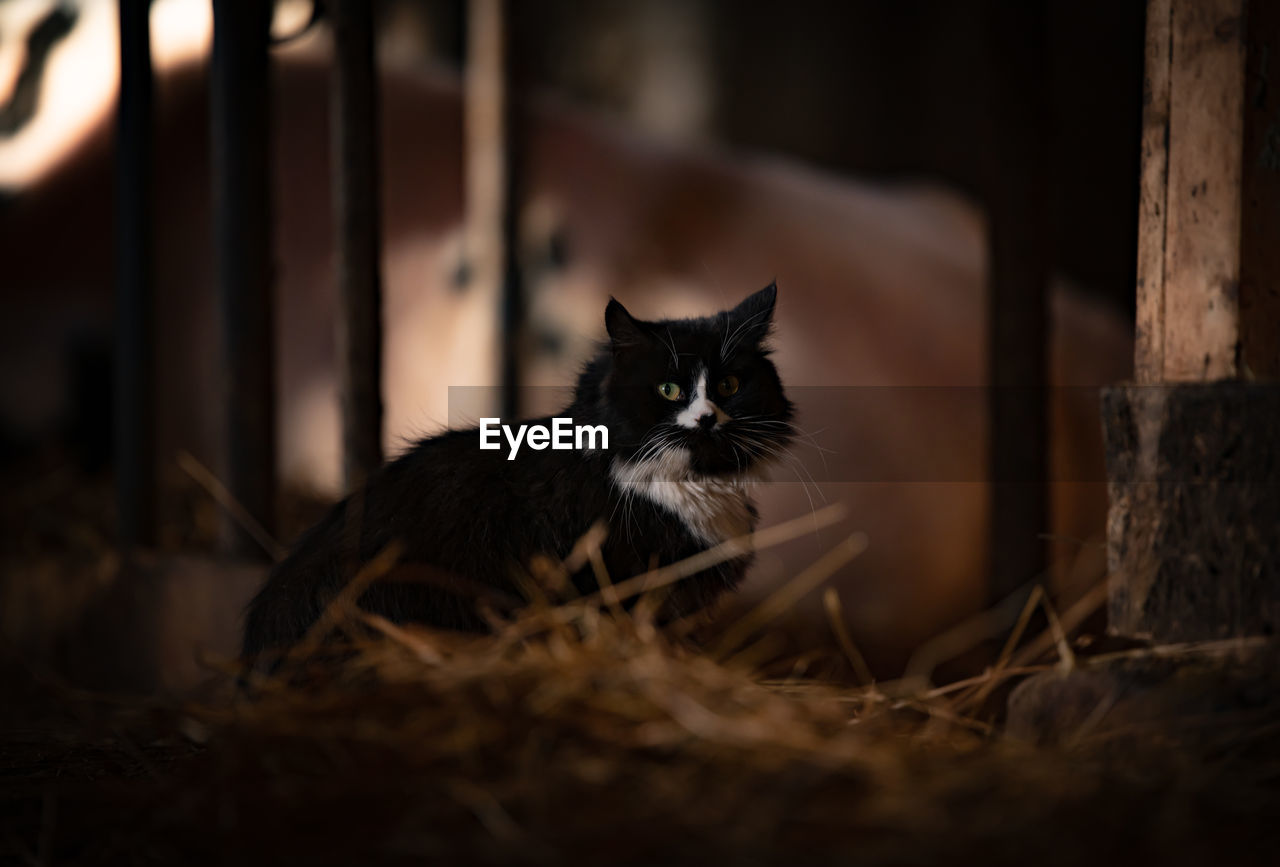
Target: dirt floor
{"type": "Point", "coordinates": [572, 735]}
{"type": "Point", "coordinates": [583, 739]}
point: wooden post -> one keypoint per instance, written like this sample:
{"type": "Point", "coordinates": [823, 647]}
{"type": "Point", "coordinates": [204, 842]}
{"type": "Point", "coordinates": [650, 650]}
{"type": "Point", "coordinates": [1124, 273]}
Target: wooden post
{"type": "Point", "coordinates": [357, 210]}
{"type": "Point", "coordinates": [1208, 301]}
{"type": "Point", "coordinates": [492, 176]}
{"type": "Point", "coordinates": [242, 241]}
{"type": "Point", "coordinates": [1194, 543]}
{"type": "Point", "coordinates": [135, 393]}
{"type": "Point", "coordinates": [1193, 446]}
{"type": "Point", "coordinates": [1016, 323]}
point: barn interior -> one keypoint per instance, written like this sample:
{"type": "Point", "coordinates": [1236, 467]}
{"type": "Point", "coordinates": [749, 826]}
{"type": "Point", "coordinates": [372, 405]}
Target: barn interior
{"type": "Point", "coordinates": [1016, 584]}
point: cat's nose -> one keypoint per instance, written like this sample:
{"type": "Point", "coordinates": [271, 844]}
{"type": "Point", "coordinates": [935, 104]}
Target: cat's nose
{"type": "Point", "coordinates": [708, 421]}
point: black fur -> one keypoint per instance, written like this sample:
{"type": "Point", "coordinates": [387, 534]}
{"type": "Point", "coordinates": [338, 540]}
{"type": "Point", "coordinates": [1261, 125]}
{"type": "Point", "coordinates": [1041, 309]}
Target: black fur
{"type": "Point", "coordinates": [469, 520]}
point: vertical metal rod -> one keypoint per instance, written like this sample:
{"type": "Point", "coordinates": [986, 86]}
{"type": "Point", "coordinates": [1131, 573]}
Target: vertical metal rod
{"type": "Point", "coordinates": [493, 176]}
{"type": "Point", "coordinates": [135, 402]}
{"type": "Point", "coordinates": [242, 240]}
{"type": "Point", "coordinates": [513, 306]}
{"type": "Point", "coordinates": [354, 131]}
{"type": "Point", "coordinates": [1017, 354]}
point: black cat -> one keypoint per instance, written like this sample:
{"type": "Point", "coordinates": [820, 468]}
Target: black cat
{"type": "Point", "coordinates": [693, 408]}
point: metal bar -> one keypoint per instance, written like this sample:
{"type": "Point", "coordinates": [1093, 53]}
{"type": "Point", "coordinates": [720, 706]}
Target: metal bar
{"type": "Point", "coordinates": [1017, 314]}
{"type": "Point", "coordinates": [135, 393]}
{"type": "Point", "coordinates": [513, 306]}
{"type": "Point", "coordinates": [493, 182]}
{"type": "Point", "coordinates": [242, 239]}
{"type": "Point", "coordinates": [354, 120]}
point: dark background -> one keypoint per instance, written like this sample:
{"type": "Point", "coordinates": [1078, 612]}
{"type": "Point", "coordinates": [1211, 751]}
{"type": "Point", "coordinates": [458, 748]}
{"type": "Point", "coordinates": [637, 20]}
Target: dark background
{"type": "Point", "coordinates": [888, 90]}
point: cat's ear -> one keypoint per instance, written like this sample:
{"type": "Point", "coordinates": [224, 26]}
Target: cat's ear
{"type": "Point", "coordinates": [753, 318]}
{"type": "Point", "coordinates": [624, 329]}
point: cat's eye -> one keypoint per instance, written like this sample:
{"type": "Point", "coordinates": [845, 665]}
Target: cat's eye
{"type": "Point", "coordinates": [669, 390]}
{"type": "Point", "coordinates": [727, 386]}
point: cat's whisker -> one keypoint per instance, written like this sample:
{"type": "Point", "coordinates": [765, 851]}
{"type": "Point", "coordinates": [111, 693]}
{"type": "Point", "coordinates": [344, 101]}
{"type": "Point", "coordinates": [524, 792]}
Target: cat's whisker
{"type": "Point", "coordinates": [740, 332]}
{"type": "Point", "coordinates": [796, 462]}
{"type": "Point", "coordinates": [671, 344]}
{"type": "Point", "coordinates": [812, 441]}
{"type": "Point", "coordinates": [788, 455]}
{"type": "Point", "coordinates": [795, 459]}
{"type": "Point", "coordinates": [759, 451]}
{"type": "Point", "coordinates": [770, 451]}
{"type": "Point", "coordinates": [652, 445]}
{"type": "Point", "coordinates": [804, 487]}
{"type": "Point", "coordinates": [791, 462]}
{"type": "Point", "coordinates": [758, 424]}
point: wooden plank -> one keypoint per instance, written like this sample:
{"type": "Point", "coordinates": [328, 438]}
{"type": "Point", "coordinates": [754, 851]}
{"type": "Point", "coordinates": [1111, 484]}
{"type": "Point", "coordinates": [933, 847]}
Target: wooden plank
{"type": "Point", "coordinates": [135, 387]}
{"type": "Point", "coordinates": [1202, 251]}
{"type": "Point", "coordinates": [357, 212]}
{"type": "Point", "coordinates": [1153, 191]}
{"type": "Point", "coordinates": [243, 247]}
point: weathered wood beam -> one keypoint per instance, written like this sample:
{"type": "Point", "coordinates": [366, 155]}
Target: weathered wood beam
{"type": "Point", "coordinates": [1192, 447]}
{"type": "Point", "coordinates": [1152, 193]}
{"type": "Point", "coordinates": [135, 390]}
{"type": "Point", "coordinates": [1208, 300]}
{"type": "Point", "coordinates": [243, 247]}
{"type": "Point", "coordinates": [357, 211]}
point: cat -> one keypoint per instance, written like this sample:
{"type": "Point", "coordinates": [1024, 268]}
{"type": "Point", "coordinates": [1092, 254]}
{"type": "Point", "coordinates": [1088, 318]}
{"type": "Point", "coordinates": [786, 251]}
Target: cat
{"type": "Point", "coordinates": [694, 410]}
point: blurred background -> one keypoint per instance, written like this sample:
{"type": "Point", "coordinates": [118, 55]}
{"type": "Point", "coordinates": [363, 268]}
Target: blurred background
{"type": "Point", "coordinates": [677, 154]}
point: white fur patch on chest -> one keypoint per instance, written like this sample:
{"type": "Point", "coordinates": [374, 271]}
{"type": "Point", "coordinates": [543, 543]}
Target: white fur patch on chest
{"type": "Point", "coordinates": [714, 509]}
